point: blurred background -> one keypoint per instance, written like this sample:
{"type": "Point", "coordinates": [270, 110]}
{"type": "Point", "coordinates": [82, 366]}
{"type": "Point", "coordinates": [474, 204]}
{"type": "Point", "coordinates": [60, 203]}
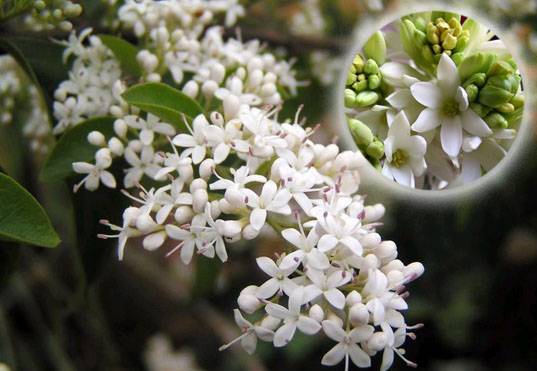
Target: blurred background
{"type": "Point", "coordinates": [78, 308]}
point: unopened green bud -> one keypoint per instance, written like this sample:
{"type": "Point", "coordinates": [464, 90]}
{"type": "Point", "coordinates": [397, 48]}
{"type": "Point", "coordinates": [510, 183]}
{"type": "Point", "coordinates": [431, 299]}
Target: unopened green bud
{"type": "Point", "coordinates": [360, 132]}
{"type": "Point", "coordinates": [367, 98]}
{"type": "Point", "coordinates": [500, 68]}
{"type": "Point", "coordinates": [493, 96]}
{"type": "Point", "coordinates": [427, 54]}
{"type": "Point", "coordinates": [480, 109]}
{"type": "Point", "coordinates": [456, 26]}
{"type": "Point", "coordinates": [358, 63]}
{"type": "Point", "coordinates": [375, 149]}
{"type": "Point", "coordinates": [437, 49]}
{"type": "Point", "coordinates": [475, 63]}
{"type": "Point", "coordinates": [374, 82]}
{"type": "Point", "coordinates": [518, 101]}
{"type": "Point", "coordinates": [362, 77]}
{"type": "Point", "coordinates": [462, 43]}
{"type": "Point", "coordinates": [477, 79]}
{"type": "Point", "coordinates": [457, 58]}
{"type": "Point", "coordinates": [497, 121]}
{"type": "Point", "coordinates": [350, 98]}
{"type": "Point", "coordinates": [371, 67]}
{"type": "Point", "coordinates": [506, 108]}
{"type": "Point", "coordinates": [375, 48]}
{"type": "Point", "coordinates": [472, 92]}
{"type": "Point", "coordinates": [420, 37]}
{"type": "Point", "coordinates": [57, 14]}
{"type": "Point", "coordinates": [351, 79]}
{"type": "Point", "coordinates": [360, 86]}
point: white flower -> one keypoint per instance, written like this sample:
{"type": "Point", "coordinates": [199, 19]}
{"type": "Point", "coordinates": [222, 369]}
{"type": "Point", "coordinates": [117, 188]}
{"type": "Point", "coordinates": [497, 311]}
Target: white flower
{"type": "Point", "coordinates": [279, 281]}
{"type": "Point", "coordinates": [339, 231]}
{"type": "Point", "coordinates": [447, 106]}
{"type": "Point", "coordinates": [97, 172]}
{"type": "Point", "coordinates": [307, 252]}
{"type": "Point", "coordinates": [347, 345]}
{"type": "Point", "coordinates": [250, 334]}
{"type": "Point", "coordinates": [327, 285]}
{"type": "Point", "coordinates": [196, 142]}
{"type": "Point", "coordinates": [141, 164]}
{"type": "Point", "coordinates": [270, 200]}
{"type": "Point", "coordinates": [191, 239]}
{"type": "Point", "coordinates": [149, 127]}
{"type": "Point", "coordinates": [404, 153]}
{"type": "Point", "coordinates": [292, 319]}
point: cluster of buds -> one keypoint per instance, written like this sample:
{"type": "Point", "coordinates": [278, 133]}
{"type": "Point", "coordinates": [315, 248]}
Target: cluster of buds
{"type": "Point", "coordinates": [369, 144]}
{"type": "Point", "coordinates": [10, 88]}
{"type": "Point", "coordinates": [447, 37]}
{"type": "Point", "coordinates": [494, 92]}
{"type": "Point", "coordinates": [363, 83]}
{"type": "Point", "coordinates": [364, 80]}
{"type": "Point", "coordinates": [51, 14]}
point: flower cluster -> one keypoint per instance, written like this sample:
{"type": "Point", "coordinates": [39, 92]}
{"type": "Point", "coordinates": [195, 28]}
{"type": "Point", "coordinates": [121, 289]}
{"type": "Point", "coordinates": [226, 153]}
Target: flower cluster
{"type": "Point", "coordinates": [442, 111]}
{"type": "Point", "coordinates": [236, 169]}
{"type": "Point", "coordinates": [47, 15]}
{"type": "Point", "coordinates": [16, 93]}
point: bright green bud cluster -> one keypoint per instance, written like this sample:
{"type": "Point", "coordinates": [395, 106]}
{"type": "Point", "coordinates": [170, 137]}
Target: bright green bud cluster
{"type": "Point", "coordinates": [495, 94]}
{"type": "Point", "coordinates": [363, 83]}
{"type": "Point", "coordinates": [446, 37]}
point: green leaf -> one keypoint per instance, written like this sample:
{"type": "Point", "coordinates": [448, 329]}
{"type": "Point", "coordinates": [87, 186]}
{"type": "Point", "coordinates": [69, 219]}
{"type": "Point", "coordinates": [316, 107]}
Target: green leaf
{"type": "Point", "coordinates": [163, 101]}
{"type": "Point", "coordinates": [125, 53]}
{"type": "Point", "coordinates": [22, 219]}
{"type": "Point", "coordinates": [73, 146]}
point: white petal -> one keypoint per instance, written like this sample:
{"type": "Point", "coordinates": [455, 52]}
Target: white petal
{"type": "Point", "coordinates": [427, 94]}
{"type": "Point", "coordinates": [333, 331]}
{"type": "Point", "coordinates": [448, 76]}
{"type": "Point", "coordinates": [451, 136]}
{"type": "Point", "coordinates": [258, 218]}
{"type": "Point", "coordinates": [462, 99]}
{"type": "Point", "coordinates": [427, 120]}
{"type": "Point", "coordinates": [327, 243]}
{"type": "Point", "coordinates": [317, 260]}
{"type": "Point", "coordinates": [359, 357]}
{"type": "Point", "coordinates": [387, 359]}
{"type": "Point", "coordinates": [472, 123]}
{"type": "Point", "coordinates": [154, 241]}
{"type": "Point", "coordinates": [353, 244]}
{"type": "Point", "coordinates": [177, 233]}
{"type": "Point", "coordinates": [198, 154]}
{"type": "Point", "coordinates": [268, 266]}
{"type": "Point", "coordinates": [221, 152]}
{"type": "Point", "coordinates": [268, 289]}
{"type": "Point", "coordinates": [400, 98]}
{"type": "Point", "coordinates": [361, 333]}
{"type": "Point", "coordinates": [83, 167]}
{"type": "Point", "coordinates": [276, 310]}
{"type": "Point", "coordinates": [334, 355]}
{"type": "Point", "coordinates": [335, 298]}
{"type": "Point", "coordinates": [146, 137]}
{"type": "Point", "coordinates": [403, 175]}
{"type": "Point", "coordinates": [249, 343]}
{"type": "Point", "coordinates": [294, 237]}
{"type": "Point", "coordinates": [291, 261]}
{"type": "Point", "coordinates": [108, 179]}
{"type": "Point", "coordinates": [284, 335]}
{"type": "Point", "coordinates": [187, 251]}
{"type": "Point", "coordinates": [184, 140]}
{"type": "Point", "coordinates": [308, 325]}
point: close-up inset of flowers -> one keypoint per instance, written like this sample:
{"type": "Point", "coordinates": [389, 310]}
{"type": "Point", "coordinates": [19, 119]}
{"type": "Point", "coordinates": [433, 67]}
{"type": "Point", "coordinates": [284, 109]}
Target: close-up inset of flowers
{"type": "Point", "coordinates": [434, 100]}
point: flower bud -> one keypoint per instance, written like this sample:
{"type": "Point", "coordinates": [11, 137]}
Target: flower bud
{"type": "Point", "coordinates": [358, 314]}
{"type": "Point", "coordinates": [481, 110]}
{"type": "Point", "coordinates": [373, 82]}
{"type": "Point", "coordinates": [316, 313]}
{"type": "Point", "coordinates": [183, 215]}
{"type": "Point", "coordinates": [198, 184]}
{"type": "Point", "coordinates": [358, 63]}
{"type": "Point", "coordinates": [206, 168]}
{"type": "Point", "coordinates": [472, 91]}
{"type": "Point", "coordinates": [120, 128]}
{"type": "Point", "coordinates": [374, 213]}
{"type": "Point", "coordinates": [477, 79]}
{"type": "Point", "coordinates": [366, 98]}
{"type": "Point", "coordinates": [415, 270]}
{"type": "Point", "coordinates": [351, 78]}
{"type": "Point", "coordinates": [103, 158]}
{"type": "Point", "coordinates": [350, 98]}
{"type": "Point", "coordinates": [386, 249]}
{"type": "Point", "coordinates": [270, 322]}
{"type": "Point", "coordinates": [360, 86]}
{"type": "Point", "coordinates": [518, 101]}
{"type": "Point", "coordinates": [191, 89]}
{"type": "Point", "coordinates": [506, 108]}
{"type": "Point", "coordinates": [247, 300]}
{"type": "Point", "coordinates": [370, 240]}
{"type": "Point", "coordinates": [96, 138]}
{"type": "Point", "coordinates": [145, 223]}
{"type": "Point", "coordinates": [154, 240]}
{"type": "Point", "coordinates": [377, 341]}
{"type": "Point", "coordinates": [496, 120]}
{"type": "Point", "coordinates": [116, 146]}
{"type": "Point", "coordinates": [200, 198]}
{"type": "Point", "coordinates": [335, 319]}
{"type": "Point", "coordinates": [353, 298]}
{"type": "Point", "coordinates": [370, 262]}
{"type": "Point", "coordinates": [375, 149]}
{"type": "Point", "coordinates": [493, 96]}
{"type": "Point", "coordinates": [375, 48]}
{"type": "Point", "coordinates": [371, 67]}
{"type": "Point", "coordinates": [360, 132]}
{"type": "Point", "coordinates": [249, 232]}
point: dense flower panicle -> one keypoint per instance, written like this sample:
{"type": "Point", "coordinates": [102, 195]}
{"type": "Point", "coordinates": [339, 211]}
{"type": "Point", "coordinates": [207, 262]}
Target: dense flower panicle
{"type": "Point", "coordinates": [235, 170]}
{"type": "Point", "coordinates": [47, 15]}
{"type": "Point", "coordinates": [10, 88]}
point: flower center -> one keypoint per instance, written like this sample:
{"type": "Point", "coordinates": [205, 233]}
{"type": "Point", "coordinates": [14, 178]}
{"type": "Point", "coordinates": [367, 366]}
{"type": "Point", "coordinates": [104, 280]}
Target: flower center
{"type": "Point", "coordinates": [450, 108]}
{"type": "Point", "coordinates": [399, 158]}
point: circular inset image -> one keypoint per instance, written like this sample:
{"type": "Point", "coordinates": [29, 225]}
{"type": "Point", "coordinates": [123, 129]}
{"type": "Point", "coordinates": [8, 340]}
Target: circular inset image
{"type": "Point", "coordinates": [434, 100]}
